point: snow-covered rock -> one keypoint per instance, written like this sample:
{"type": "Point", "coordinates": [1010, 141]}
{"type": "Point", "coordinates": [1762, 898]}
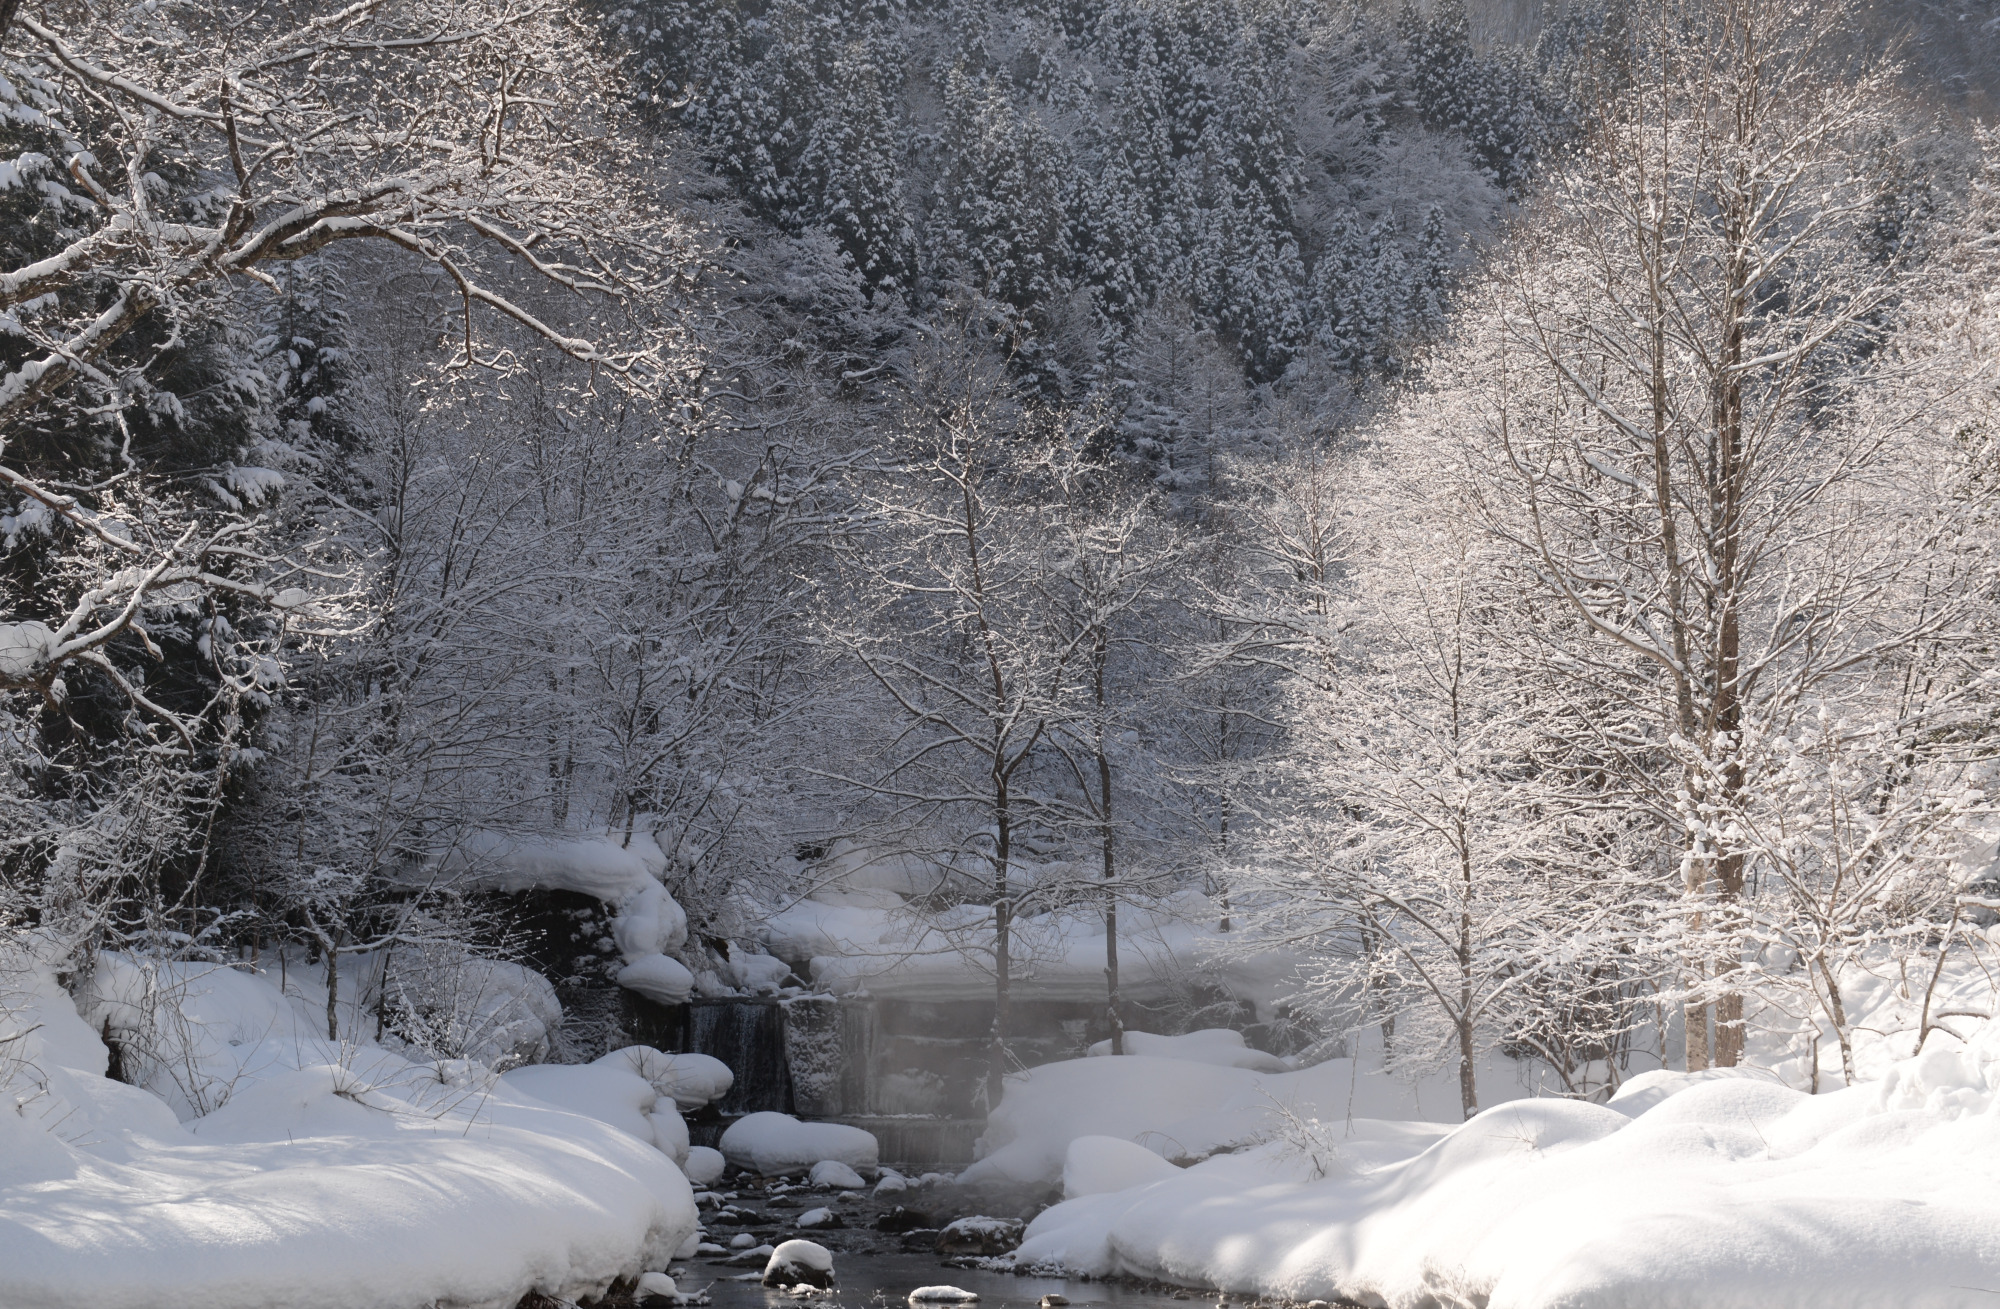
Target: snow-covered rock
{"type": "Point", "coordinates": [774, 1144]}
{"type": "Point", "coordinates": [799, 1263]}
{"type": "Point", "coordinates": [704, 1166]}
{"type": "Point", "coordinates": [659, 978]}
{"type": "Point", "coordinates": [980, 1234]}
{"type": "Point", "coordinates": [821, 1217]}
{"type": "Point", "coordinates": [942, 1295]}
{"type": "Point", "coordinates": [833, 1175]}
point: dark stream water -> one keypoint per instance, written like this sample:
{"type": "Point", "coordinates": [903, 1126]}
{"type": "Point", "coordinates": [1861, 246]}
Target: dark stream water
{"type": "Point", "coordinates": [876, 1268]}
{"type": "Point", "coordinates": [884, 1281]}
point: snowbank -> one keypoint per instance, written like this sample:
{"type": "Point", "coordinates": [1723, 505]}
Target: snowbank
{"type": "Point", "coordinates": [774, 1144]}
{"type": "Point", "coordinates": [331, 1175]}
{"type": "Point", "coordinates": [1094, 1165]}
{"type": "Point", "coordinates": [1181, 1110]}
{"type": "Point", "coordinates": [1724, 1192]}
{"type": "Point", "coordinates": [611, 1092]}
{"type": "Point", "coordinates": [1210, 1045]}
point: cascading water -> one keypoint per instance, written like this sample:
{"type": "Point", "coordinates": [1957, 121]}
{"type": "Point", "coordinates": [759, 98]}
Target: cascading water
{"type": "Point", "coordinates": [749, 1036]}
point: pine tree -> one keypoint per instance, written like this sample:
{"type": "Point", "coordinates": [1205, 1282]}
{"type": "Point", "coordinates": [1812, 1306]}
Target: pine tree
{"type": "Point", "coordinates": [851, 176]}
{"type": "Point", "coordinates": [1000, 220]}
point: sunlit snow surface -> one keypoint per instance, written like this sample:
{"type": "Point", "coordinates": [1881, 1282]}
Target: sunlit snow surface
{"type": "Point", "coordinates": [1709, 1193]}
{"type": "Point", "coordinates": [331, 1176]}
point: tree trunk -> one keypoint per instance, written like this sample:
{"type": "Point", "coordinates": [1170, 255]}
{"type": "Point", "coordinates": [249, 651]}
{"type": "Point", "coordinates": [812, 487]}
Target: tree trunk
{"type": "Point", "coordinates": [1099, 654]}
{"type": "Point", "coordinates": [333, 987]}
{"type": "Point", "coordinates": [1468, 1090]}
{"type": "Point", "coordinates": [1003, 915]}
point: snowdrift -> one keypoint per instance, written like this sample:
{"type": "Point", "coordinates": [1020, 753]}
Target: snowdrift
{"type": "Point", "coordinates": [341, 1176]}
{"type": "Point", "coordinates": [1683, 1193]}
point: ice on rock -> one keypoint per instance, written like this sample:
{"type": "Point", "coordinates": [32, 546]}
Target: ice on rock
{"type": "Point", "coordinates": [799, 1263]}
{"type": "Point", "coordinates": [833, 1175]}
{"type": "Point", "coordinates": [1097, 1164]}
{"type": "Point", "coordinates": [704, 1166]}
{"type": "Point", "coordinates": [774, 1144]}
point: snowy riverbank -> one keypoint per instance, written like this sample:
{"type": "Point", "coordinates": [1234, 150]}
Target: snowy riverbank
{"type": "Point", "coordinates": [1701, 1191]}
{"type": "Point", "coordinates": [335, 1176]}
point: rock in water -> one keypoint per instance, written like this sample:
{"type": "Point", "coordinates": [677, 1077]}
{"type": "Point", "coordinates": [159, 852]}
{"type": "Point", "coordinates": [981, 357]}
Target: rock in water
{"type": "Point", "coordinates": [942, 1295]}
{"type": "Point", "coordinates": [900, 1219]}
{"type": "Point", "coordinates": [979, 1235]}
{"type": "Point", "coordinates": [833, 1175]}
{"type": "Point", "coordinates": [797, 1263]}
{"type": "Point", "coordinates": [703, 1165]}
{"type": "Point", "coordinates": [1054, 1301]}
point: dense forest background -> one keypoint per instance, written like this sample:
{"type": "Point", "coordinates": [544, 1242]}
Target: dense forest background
{"type": "Point", "coordinates": [1497, 497]}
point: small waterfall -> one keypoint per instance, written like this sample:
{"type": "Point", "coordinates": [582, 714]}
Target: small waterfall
{"type": "Point", "coordinates": [749, 1036]}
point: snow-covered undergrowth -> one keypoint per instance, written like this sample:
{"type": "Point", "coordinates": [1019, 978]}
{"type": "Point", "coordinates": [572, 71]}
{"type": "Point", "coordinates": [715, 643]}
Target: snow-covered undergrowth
{"type": "Point", "coordinates": [278, 1168]}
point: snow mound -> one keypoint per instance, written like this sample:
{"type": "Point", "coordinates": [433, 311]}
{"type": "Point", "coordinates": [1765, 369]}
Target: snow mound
{"type": "Point", "coordinates": [833, 1175]}
{"type": "Point", "coordinates": [704, 1165]}
{"type": "Point", "coordinates": [795, 1263]}
{"type": "Point", "coordinates": [1097, 1164]}
{"type": "Point", "coordinates": [774, 1144]}
{"type": "Point", "coordinates": [612, 1093]}
{"type": "Point", "coordinates": [1180, 1110]}
{"type": "Point", "coordinates": [332, 1178]}
{"type": "Point", "coordinates": [659, 978]}
{"type": "Point", "coordinates": [1211, 1045]}
{"type": "Point", "coordinates": [1723, 1192]}
{"type": "Point", "coordinates": [690, 1080]}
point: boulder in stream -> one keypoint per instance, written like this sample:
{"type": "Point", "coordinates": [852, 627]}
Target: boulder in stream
{"type": "Point", "coordinates": [800, 1263]}
{"type": "Point", "coordinates": [980, 1235]}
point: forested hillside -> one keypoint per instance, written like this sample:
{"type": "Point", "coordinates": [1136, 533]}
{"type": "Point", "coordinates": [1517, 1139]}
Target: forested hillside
{"type": "Point", "coordinates": [1492, 504]}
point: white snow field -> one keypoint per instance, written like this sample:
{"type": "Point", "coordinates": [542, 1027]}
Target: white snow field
{"type": "Point", "coordinates": [1685, 1192]}
{"type": "Point", "coordinates": [287, 1170]}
